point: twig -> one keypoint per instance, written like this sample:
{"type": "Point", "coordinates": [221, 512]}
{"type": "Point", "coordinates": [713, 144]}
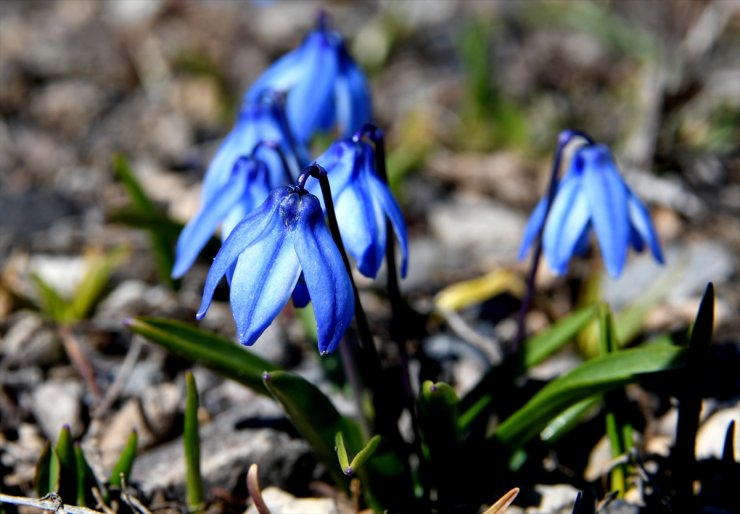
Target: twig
{"type": "Point", "coordinates": [99, 498]}
{"type": "Point", "coordinates": [79, 359]}
{"type": "Point", "coordinates": [53, 503]}
{"type": "Point", "coordinates": [124, 372]}
{"type": "Point", "coordinates": [131, 500]}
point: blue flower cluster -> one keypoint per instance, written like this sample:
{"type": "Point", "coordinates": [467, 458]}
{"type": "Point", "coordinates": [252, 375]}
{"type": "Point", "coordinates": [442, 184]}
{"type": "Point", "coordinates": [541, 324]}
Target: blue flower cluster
{"type": "Point", "coordinates": [276, 243]}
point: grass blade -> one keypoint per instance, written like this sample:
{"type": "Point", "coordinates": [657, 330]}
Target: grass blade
{"type": "Point", "coordinates": [191, 441]}
{"type": "Point", "coordinates": [125, 461]}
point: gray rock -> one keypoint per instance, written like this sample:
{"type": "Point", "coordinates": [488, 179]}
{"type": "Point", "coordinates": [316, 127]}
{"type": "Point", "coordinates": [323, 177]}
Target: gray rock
{"type": "Point", "coordinates": [58, 403]}
{"type": "Point", "coordinates": [280, 502]}
{"type": "Point", "coordinates": [30, 342]}
{"type": "Point", "coordinates": [226, 453]}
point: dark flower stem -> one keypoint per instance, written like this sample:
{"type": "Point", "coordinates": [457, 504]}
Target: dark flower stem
{"type": "Point", "coordinates": [370, 361]}
{"type": "Point", "coordinates": [564, 138]}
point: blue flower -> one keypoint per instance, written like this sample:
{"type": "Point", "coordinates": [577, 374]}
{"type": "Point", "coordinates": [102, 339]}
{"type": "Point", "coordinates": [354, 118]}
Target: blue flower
{"type": "Point", "coordinates": [258, 155]}
{"type": "Point", "coordinates": [270, 248]}
{"type": "Point", "coordinates": [592, 194]}
{"type": "Point", "coordinates": [247, 187]}
{"type": "Point", "coordinates": [362, 201]}
{"type": "Point", "coordinates": [323, 84]}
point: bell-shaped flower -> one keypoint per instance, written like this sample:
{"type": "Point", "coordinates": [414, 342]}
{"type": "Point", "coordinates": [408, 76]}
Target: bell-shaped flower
{"type": "Point", "coordinates": [262, 119]}
{"type": "Point", "coordinates": [235, 184]}
{"type": "Point", "coordinates": [592, 194]}
{"type": "Point", "coordinates": [323, 84]}
{"type": "Point", "coordinates": [246, 188]}
{"type": "Point", "coordinates": [362, 202]}
{"type": "Point", "coordinates": [283, 238]}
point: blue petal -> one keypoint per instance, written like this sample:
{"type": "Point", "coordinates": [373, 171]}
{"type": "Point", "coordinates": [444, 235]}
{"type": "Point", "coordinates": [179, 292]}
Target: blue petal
{"type": "Point", "coordinates": [534, 225]}
{"type": "Point", "coordinates": [326, 277]}
{"type": "Point", "coordinates": [219, 169]}
{"type": "Point", "coordinates": [199, 230]}
{"type": "Point", "coordinates": [353, 104]}
{"type": "Point", "coordinates": [266, 274]}
{"type": "Point", "coordinates": [641, 222]}
{"type": "Point", "coordinates": [383, 197]}
{"type": "Point", "coordinates": [281, 76]}
{"type": "Point", "coordinates": [257, 225]}
{"type": "Point", "coordinates": [636, 239]}
{"type": "Point", "coordinates": [343, 162]}
{"type": "Point", "coordinates": [362, 227]}
{"type": "Point", "coordinates": [583, 241]}
{"type": "Point", "coordinates": [607, 198]}
{"type": "Point", "coordinates": [311, 97]}
{"type": "Point", "coordinates": [565, 224]}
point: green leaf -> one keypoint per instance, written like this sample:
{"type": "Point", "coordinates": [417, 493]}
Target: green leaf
{"type": "Point", "coordinates": [618, 429]}
{"type": "Point", "coordinates": [51, 302]}
{"type": "Point", "coordinates": [438, 420]}
{"type": "Point", "coordinates": [162, 241]}
{"type": "Point", "coordinates": [224, 357]}
{"type": "Point", "coordinates": [191, 441]}
{"type": "Point", "coordinates": [539, 347]}
{"type": "Point", "coordinates": [47, 471]}
{"type": "Point", "coordinates": [598, 375]}
{"type": "Point", "coordinates": [67, 465]}
{"type": "Point", "coordinates": [312, 413]}
{"type": "Point", "coordinates": [85, 479]}
{"type": "Point", "coordinates": [93, 283]}
{"type": "Point", "coordinates": [350, 468]}
{"type": "Point", "coordinates": [125, 461]}
{"type": "Point", "coordinates": [568, 419]}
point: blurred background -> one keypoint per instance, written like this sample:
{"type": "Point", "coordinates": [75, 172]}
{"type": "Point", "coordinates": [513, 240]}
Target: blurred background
{"type": "Point", "coordinates": [471, 94]}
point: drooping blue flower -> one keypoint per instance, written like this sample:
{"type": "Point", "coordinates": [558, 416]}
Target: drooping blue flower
{"type": "Point", "coordinates": [262, 119]}
{"type": "Point", "coordinates": [281, 239]}
{"type": "Point", "coordinates": [246, 188]}
{"type": "Point", "coordinates": [323, 84]}
{"type": "Point", "coordinates": [592, 194]}
{"type": "Point", "coordinates": [258, 155]}
{"type": "Point", "coordinates": [362, 201]}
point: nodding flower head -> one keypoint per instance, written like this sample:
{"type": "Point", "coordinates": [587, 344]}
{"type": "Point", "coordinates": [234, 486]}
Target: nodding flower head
{"type": "Point", "coordinates": [267, 252]}
{"type": "Point", "coordinates": [323, 84]}
{"type": "Point", "coordinates": [258, 155]}
{"type": "Point", "coordinates": [246, 187]}
{"type": "Point", "coordinates": [362, 202]}
{"type": "Point", "coordinates": [260, 120]}
{"type": "Point", "coordinates": [592, 194]}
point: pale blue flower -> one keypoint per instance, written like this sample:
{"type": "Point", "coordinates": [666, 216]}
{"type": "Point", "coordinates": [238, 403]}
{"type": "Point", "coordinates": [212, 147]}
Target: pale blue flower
{"type": "Point", "coordinates": [592, 194]}
{"type": "Point", "coordinates": [268, 251]}
{"type": "Point", "coordinates": [323, 84]}
{"type": "Point", "coordinates": [362, 202]}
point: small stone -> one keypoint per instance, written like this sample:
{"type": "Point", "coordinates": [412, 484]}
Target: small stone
{"type": "Point", "coordinates": [30, 342]}
{"type": "Point", "coordinates": [280, 502]}
{"type": "Point", "coordinates": [58, 403]}
{"type": "Point", "coordinates": [710, 439]}
{"type": "Point", "coordinates": [555, 499]}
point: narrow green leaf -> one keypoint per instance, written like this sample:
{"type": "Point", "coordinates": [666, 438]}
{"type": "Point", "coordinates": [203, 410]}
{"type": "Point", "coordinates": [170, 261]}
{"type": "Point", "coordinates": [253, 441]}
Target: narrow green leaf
{"type": "Point", "coordinates": [617, 426]}
{"type": "Point", "coordinates": [51, 302]}
{"type": "Point", "coordinates": [367, 451]}
{"type": "Point", "coordinates": [93, 283]}
{"type": "Point", "coordinates": [311, 412]}
{"type": "Point", "coordinates": [438, 420]}
{"type": "Point", "coordinates": [47, 471]}
{"type": "Point", "coordinates": [342, 454]}
{"type": "Point", "coordinates": [163, 242]}
{"type": "Point", "coordinates": [690, 394]}
{"type": "Point", "coordinates": [136, 193]}
{"type": "Point", "coordinates": [156, 221]}
{"type": "Point", "coordinates": [539, 347]}
{"type": "Point", "coordinates": [191, 441]}
{"type": "Point", "coordinates": [67, 465]}
{"type": "Point", "coordinates": [216, 353]}
{"type": "Point", "coordinates": [125, 461]}
{"type": "Point", "coordinates": [85, 479]}
{"type": "Point", "coordinates": [568, 419]}
{"type": "Point", "coordinates": [598, 375]}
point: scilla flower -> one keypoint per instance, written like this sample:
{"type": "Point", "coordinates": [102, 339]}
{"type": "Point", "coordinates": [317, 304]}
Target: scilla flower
{"type": "Point", "coordinates": [247, 187]}
{"type": "Point", "coordinates": [258, 155]}
{"type": "Point", "coordinates": [261, 119]}
{"type": "Point", "coordinates": [362, 202]}
{"type": "Point", "coordinates": [270, 248]}
{"type": "Point", "coordinates": [323, 84]}
{"type": "Point", "coordinates": [592, 194]}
